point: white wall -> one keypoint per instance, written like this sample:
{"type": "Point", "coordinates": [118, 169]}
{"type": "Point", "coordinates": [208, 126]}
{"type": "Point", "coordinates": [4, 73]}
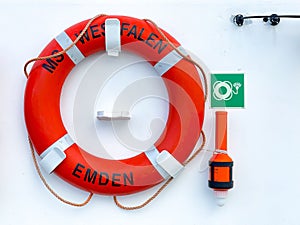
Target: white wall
{"type": "Point", "coordinates": [263, 137]}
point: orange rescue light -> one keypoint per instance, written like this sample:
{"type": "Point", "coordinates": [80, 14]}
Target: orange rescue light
{"type": "Point", "coordinates": [220, 178]}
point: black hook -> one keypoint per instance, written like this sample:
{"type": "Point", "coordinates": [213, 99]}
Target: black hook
{"type": "Point", "coordinates": [274, 19]}
{"type": "Point", "coordinates": [239, 20]}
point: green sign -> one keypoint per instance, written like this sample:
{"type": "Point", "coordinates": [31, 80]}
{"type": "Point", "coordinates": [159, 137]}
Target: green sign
{"type": "Point", "coordinates": [227, 90]}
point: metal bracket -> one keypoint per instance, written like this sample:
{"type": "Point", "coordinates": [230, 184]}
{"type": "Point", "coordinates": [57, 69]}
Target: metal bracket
{"type": "Point", "coordinates": [273, 19]}
{"type": "Point", "coordinates": [104, 115]}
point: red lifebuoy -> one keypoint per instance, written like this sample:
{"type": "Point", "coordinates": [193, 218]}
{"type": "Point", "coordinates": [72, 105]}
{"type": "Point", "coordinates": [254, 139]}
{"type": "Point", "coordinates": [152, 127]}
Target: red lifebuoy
{"type": "Point", "coordinates": [104, 176]}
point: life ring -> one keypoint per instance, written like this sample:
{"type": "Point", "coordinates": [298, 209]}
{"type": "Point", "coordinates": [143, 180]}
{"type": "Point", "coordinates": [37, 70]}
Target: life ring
{"type": "Point", "coordinates": [76, 166]}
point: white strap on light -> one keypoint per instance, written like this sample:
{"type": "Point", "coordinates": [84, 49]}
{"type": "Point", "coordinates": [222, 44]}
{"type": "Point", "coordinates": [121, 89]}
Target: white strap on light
{"type": "Point", "coordinates": [169, 61]}
{"type": "Point", "coordinates": [54, 155]}
{"type": "Point", "coordinates": [220, 151]}
{"type": "Point", "coordinates": [104, 115]}
{"type": "Point", "coordinates": [112, 36]}
{"type": "Point", "coordinates": [169, 163]}
{"type": "Point", "coordinates": [74, 53]}
{"type": "Point", "coordinates": [152, 155]}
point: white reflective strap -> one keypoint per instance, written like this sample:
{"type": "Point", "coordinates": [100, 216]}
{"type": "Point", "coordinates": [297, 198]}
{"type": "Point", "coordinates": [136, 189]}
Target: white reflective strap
{"type": "Point", "coordinates": [112, 36]}
{"type": "Point", "coordinates": [220, 151]}
{"type": "Point", "coordinates": [52, 160]}
{"type": "Point", "coordinates": [54, 154]}
{"type": "Point", "coordinates": [169, 61]}
{"type": "Point", "coordinates": [152, 155]}
{"type": "Point", "coordinates": [74, 53]}
{"type": "Point", "coordinates": [104, 115]}
{"type": "Point", "coordinates": [169, 163]}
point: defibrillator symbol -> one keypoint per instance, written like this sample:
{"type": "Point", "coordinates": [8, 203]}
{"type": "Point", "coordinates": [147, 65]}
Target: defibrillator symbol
{"type": "Point", "coordinates": [227, 90]}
